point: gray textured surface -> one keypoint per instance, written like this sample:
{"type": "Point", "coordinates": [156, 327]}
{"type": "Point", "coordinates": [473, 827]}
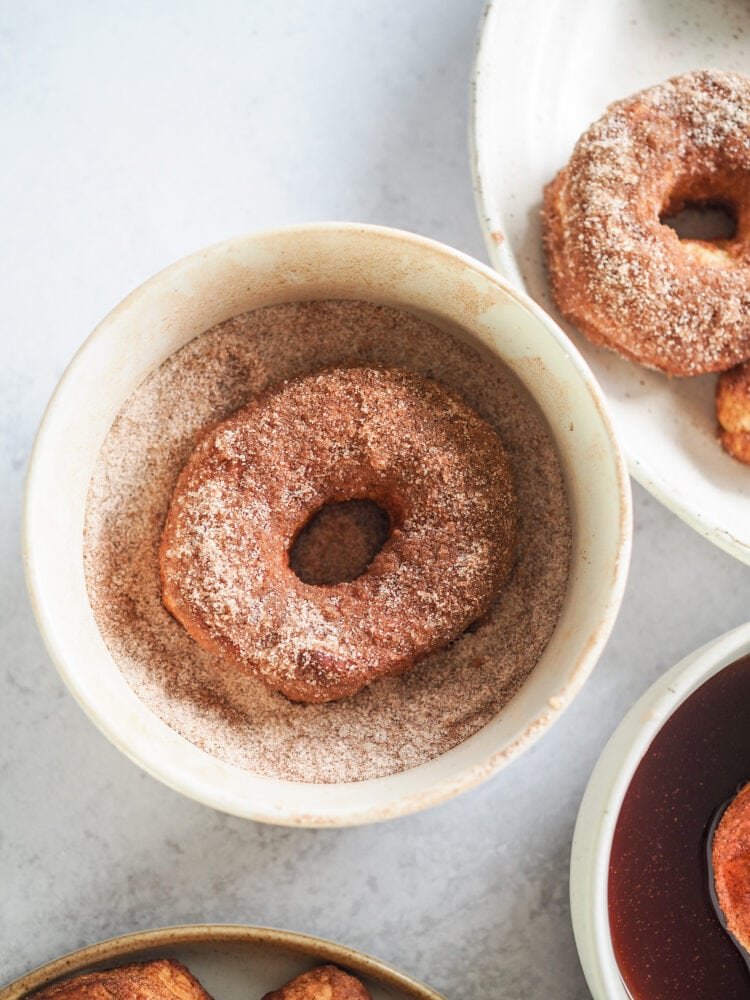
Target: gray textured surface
{"type": "Point", "coordinates": [132, 136]}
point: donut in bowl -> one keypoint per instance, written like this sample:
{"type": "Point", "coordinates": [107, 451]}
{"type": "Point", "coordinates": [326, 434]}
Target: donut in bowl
{"type": "Point", "coordinates": [254, 482]}
{"type": "Point", "coordinates": [616, 270]}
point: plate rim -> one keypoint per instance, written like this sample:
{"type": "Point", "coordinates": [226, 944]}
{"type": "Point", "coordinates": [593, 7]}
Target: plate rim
{"type": "Point", "coordinates": [125, 945]}
{"type": "Point", "coordinates": [504, 261]}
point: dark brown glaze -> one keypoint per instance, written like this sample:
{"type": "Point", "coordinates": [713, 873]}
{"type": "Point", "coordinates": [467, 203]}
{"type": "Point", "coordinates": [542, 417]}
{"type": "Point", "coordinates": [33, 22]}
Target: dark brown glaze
{"type": "Point", "coordinates": [668, 940]}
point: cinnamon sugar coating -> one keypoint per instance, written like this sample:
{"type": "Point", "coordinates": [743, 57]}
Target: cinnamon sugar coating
{"type": "Point", "coordinates": [401, 721]}
{"type": "Point", "coordinates": [163, 979]}
{"type": "Point", "coordinates": [253, 482]}
{"type": "Point", "coordinates": [325, 982]}
{"type": "Point", "coordinates": [733, 411]}
{"type": "Point", "coordinates": [730, 858]}
{"type": "Point", "coordinates": [622, 277]}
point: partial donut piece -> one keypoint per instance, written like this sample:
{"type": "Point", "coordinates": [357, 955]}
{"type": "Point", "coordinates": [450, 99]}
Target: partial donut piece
{"type": "Point", "coordinates": [253, 483]}
{"type": "Point", "coordinates": [616, 271]}
{"type": "Point", "coordinates": [733, 411]}
{"type": "Point", "coordinates": [163, 979]}
{"type": "Point", "coordinates": [730, 861]}
{"type": "Point", "coordinates": [325, 982]}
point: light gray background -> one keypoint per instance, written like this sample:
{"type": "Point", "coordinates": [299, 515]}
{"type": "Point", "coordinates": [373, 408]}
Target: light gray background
{"type": "Point", "coordinates": [131, 134]}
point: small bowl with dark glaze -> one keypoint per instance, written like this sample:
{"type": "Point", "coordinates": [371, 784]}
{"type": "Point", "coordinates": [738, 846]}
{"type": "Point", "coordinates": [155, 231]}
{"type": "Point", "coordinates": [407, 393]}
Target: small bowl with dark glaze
{"type": "Point", "coordinates": [643, 887]}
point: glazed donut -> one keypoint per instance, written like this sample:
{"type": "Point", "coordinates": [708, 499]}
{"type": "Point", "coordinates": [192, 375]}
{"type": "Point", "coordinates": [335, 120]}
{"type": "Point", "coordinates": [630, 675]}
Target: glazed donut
{"type": "Point", "coordinates": [254, 482]}
{"type": "Point", "coordinates": [621, 276]}
{"type": "Point", "coordinates": [733, 411]}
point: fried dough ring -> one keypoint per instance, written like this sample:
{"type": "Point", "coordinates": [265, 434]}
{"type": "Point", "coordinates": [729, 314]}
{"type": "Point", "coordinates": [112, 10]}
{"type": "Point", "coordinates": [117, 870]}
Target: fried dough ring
{"type": "Point", "coordinates": [253, 483]}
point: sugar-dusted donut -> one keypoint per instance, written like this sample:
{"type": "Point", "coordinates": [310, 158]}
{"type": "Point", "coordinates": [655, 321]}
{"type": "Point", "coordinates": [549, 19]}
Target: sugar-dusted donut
{"type": "Point", "coordinates": [324, 982]}
{"type": "Point", "coordinates": [161, 979]}
{"type": "Point", "coordinates": [254, 481]}
{"type": "Point", "coordinates": [733, 411]}
{"type": "Point", "coordinates": [616, 271]}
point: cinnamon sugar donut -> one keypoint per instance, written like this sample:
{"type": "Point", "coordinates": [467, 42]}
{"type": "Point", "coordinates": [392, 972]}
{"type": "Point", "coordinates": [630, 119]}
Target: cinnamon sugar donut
{"type": "Point", "coordinates": [253, 483]}
{"type": "Point", "coordinates": [624, 278]}
{"type": "Point", "coordinates": [733, 411]}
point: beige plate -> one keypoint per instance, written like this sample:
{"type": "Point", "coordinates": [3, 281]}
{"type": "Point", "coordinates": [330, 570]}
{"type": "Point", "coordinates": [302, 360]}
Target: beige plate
{"type": "Point", "coordinates": [232, 962]}
{"type": "Point", "coordinates": [533, 95]}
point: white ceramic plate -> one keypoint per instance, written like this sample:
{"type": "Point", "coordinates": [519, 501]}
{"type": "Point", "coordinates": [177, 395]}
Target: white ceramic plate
{"type": "Point", "coordinates": [231, 962]}
{"type": "Point", "coordinates": [545, 70]}
{"type": "Point", "coordinates": [600, 807]}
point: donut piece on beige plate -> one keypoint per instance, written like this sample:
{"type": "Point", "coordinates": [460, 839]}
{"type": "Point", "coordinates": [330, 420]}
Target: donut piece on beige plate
{"type": "Point", "coordinates": [733, 411]}
{"type": "Point", "coordinates": [326, 982]}
{"type": "Point", "coordinates": [163, 979]}
{"type": "Point", "coordinates": [255, 481]}
{"type": "Point", "coordinates": [616, 270]}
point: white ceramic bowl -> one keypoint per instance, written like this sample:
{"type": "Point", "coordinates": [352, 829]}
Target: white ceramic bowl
{"type": "Point", "coordinates": [313, 262]}
{"type": "Point", "coordinates": [607, 787]}
{"type": "Point", "coordinates": [231, 961]}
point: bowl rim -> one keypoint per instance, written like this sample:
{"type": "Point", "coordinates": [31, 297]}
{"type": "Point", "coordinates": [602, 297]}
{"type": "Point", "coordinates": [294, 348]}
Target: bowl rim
{"type": "Point", "coordinates": [440, 790]}
{"type": "Point", "coordinates": [604, 794]}
{"type": "Point", "coordinates": [127, 945]}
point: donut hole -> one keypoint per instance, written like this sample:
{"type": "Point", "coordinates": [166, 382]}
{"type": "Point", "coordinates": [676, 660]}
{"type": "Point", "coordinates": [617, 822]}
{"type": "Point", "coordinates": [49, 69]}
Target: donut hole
{"type": "Point", "coordinates": [704, 220]}
{"type": "Point", "coordinates": [339, 541]}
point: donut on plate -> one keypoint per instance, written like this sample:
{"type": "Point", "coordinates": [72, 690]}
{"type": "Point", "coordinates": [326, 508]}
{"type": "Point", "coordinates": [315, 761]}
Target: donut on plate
{"type": "Point", "coordinates": [621, 275]}
{"type": "Point", "coordinates": [254, 482]}
{"type": "Point", "coordinates": [325, 982]}
{"type": "Point", "coordinates": [733, 411]}
{"type": "Point", "coordinates": [730, 861]}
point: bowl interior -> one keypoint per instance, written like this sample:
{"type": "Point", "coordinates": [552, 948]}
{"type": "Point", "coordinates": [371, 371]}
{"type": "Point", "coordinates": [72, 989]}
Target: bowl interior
{"type": "Point", "coordinates": [318, 262]}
